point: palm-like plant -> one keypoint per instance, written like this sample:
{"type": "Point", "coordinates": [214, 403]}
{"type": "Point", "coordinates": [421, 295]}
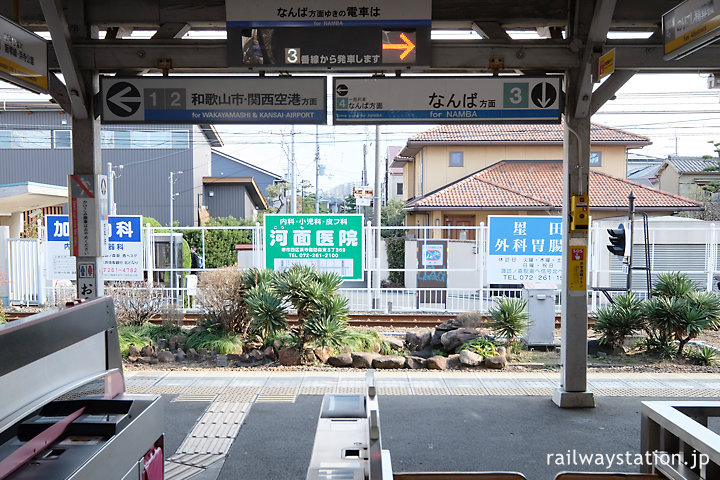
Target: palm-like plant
{"type": "Point", "coordinates": [673, 284]}
{"type": "Point", "coordinates": [325, 330]}
{"type": "Point", "coordinates": [509, 318]}
{"type": "Point", "coordinates": [266, 310]}
{"type": "Point", "coordinates": [619, 320]}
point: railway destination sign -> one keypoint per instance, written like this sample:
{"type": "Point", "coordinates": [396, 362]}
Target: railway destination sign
{"type": "Point", "coordinates": [187, 99]}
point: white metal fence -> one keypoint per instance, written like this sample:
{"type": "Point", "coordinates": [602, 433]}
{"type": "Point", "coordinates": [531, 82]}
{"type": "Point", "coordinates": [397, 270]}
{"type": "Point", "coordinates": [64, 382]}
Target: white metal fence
{"type": "Point", "coordinates": [687, 247]}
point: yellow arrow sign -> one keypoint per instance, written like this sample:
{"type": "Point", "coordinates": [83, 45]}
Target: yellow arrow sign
{"type": "Point", "coordinates": [408, 46]}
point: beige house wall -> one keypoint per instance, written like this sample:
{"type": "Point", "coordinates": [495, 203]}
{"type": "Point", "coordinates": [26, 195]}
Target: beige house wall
{"type": "Point", "coordinates": [669, 180]}
{"type": "Point", "coordinates": [433, 170]}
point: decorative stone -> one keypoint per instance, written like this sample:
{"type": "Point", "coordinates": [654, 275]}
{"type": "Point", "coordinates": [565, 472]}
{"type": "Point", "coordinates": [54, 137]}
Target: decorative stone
{"type": "Point", "coordinates": [323, 353]}
{"type": "Point", "coordinates": [342, 360]}
{"type": "Point", "coordinates": [435, 338]}
{"type": "Point", "coordinates": [470, 359]}
{"type": "Point", "coordinates": [148, 360]}
{"type": "Point", "coordinates": [468, 320]}
{"type": "Point", "coordinates": [418, 341]}
{"type": "Point", "coordinates": [203, 352]}
{"type": "Point", "coordinates": [415, 363]}
{"type": "Point", "coordinates": [147, 351]}
{"type": "Point", "coordinates": [133, 351]}
{"type": "Point", "coordinates": [221, 361]}
{"type": "Point", "coordinates": [504, 352]}
{"type": "Point", "coordinates": [132, 359]}
{"type": "Point", "coordinates": [277, 345]}
{"type": "Point", "coordinates": [453, 362]}
{"type": "Point", "coordinates": [244, 358]}
{"type": "Point", "coordinates": [309, 355]}
{"type": "Point", "coordinates": [192, 355]}
{"type": "Point", "coordinates": [437, 362]}
{"type": "Point", "coordinates": [269, 352]}
{"type": "Point", "coordinates": [496, 362]}
{"type": "Point", "coordinates": [289, 356]}
{"type": "Point", "coordinates": [453, 339]}
{"type": "Point", "coordinates": [363, 359]}
{"type": "Point", "coordinates": [257, 355]}
{"type": "Point", "coordinates": [176, 341]}
{"type": "Point", "coordinates": [388, 361]}
{"type": "Point", "coordinates": [232, 358]}
{"type": "Point", "coordinates": [395, 343]}
{"type": "Point", "coordinates": [180, 355]}
{"type": "Point", "coordinates": [162, 344]}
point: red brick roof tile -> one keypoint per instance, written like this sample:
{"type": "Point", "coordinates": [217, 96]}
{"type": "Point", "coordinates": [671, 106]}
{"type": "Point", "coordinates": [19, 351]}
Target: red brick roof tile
{"type": "Point", "coordinates": [539, 185]}
{"type": "Point", "coordinates": [511, 133]}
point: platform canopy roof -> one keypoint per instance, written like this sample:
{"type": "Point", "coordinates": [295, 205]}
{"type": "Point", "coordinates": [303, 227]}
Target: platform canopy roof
{"type": "Point", "coordinates": [26, 196]}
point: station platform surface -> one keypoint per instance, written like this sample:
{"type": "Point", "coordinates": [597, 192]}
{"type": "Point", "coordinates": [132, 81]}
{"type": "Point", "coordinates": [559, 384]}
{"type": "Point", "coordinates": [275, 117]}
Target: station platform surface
{"type": "Point", "coordinates": [261, 424]}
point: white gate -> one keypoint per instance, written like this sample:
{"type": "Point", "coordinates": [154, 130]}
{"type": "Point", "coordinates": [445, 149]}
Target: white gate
{"type": "Point", "coordinates": [25, 271]}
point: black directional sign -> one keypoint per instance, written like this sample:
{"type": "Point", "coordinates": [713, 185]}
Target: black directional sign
{"type": "Point", "coordinates": [328, 34]}
{"type": "Point", "coordinates": [543, 94]}
{"type": "Point", "coordinates": [123, 99]}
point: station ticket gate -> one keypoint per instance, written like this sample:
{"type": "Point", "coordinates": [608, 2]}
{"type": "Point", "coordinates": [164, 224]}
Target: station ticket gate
{"type": "Point", "coordinates": [64, 412]}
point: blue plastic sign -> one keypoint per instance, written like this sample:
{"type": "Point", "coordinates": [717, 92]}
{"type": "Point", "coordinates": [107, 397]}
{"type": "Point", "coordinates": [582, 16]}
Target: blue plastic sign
{"type": "Point", "coordinates": [213, 100]}
{"type": "Point", "coordinates": [524, 249]}
{"type": "Point", "coordinates": [447, 100]}
{"type": "Point", "coordinates": [121, 261]}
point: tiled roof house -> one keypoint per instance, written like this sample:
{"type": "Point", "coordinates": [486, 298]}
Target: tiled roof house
{"type": "Point", "coordinates": [457, 175]}
{"type": "Point", "coordinates": [686, 176]}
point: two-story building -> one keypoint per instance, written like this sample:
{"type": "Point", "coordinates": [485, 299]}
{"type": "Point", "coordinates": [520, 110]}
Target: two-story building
{"type": "Point", "coordinates": [457, 175]}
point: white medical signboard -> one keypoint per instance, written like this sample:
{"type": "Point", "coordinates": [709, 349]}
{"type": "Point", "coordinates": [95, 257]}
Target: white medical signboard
{"type": "Point", "coordinates": [122, 260]}
{"type": "Point", "coordinates": [524, 249]}
{"type": "Point", "coordinates": [444, 100]}
{"type": "Point", "coordinates": [213, 100]}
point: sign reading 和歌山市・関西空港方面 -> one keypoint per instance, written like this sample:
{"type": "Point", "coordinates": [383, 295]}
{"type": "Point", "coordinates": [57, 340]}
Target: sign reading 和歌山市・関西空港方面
{"type": "Point", "coordinates": [524, 249]}
{"type": "Point", "coordinates": [330, 243]}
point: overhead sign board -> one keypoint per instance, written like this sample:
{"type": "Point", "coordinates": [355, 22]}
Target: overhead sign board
{"type": "Point", "coordinates": [690, 26]}
{"type": "Point", "coordinates": [441, 100]}
{"type": "Point", "coordinates": [292, 100]}
{"type": "Point", "coordinates": [606, 64]}
{"type": "Point", "coordinates": [23, 57]}
{"type": "Point", "coordinates": [332, 34]}
{"type": "Point", "coordinates": [524, 249]}
{"type": "Point", "coordinates": [122, 260]}
{"type": "Point", "coordinates": [330, 243]}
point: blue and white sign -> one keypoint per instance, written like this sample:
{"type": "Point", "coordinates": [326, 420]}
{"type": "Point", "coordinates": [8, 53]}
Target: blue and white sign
{"type": "Point", "coordinates": [524, 249]}
{"type": "Point", "coordinates": [446, 100]}
{"type": "Point", "coordinates": [213, 100]}
{"type": "Point", "coordinates": [60, 265]}
{"type": "Point", "coordinates": [121, 261]}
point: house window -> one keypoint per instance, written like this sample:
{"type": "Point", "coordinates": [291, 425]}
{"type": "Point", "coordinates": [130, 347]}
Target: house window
{"type": "Point", "coordinates": [456, 159]}
{"type": "Point", "coordinates": [399, 189]}
{"type": "Point", "coordinates": [62, 138]}
{"type": "Point", "coordinates": [31, 139]}
{"type": "Point", "coordinates": [121, 139]}
{"type": "Point", "coordinates": [180, 139]}
{"type": "Point", "coordinates": [595, 159]}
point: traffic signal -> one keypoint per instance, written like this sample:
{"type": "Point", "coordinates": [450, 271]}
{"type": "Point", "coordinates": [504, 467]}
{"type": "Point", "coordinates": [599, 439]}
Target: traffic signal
{"type": "Point", "coordinates": [617, 240]}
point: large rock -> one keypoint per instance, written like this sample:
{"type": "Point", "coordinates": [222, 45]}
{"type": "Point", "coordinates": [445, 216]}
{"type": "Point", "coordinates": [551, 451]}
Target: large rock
{"type": "Point", "coordinates": [453, 339]}
{"type": "Point", "coordinates": [415, 363]}
{"type": "Point", "coordinates": [180, 355]}
{"type": "Point", "coordinates": [468, 320]}
{"type": "Point", "coordinates": [176, 341]}
{"type": "Point", "coordinates": [133, 351]}
{"type": "Point", "coordinates": [269, 352]}
{"type": "Point", "coordinates": [162, 344]}
{"type": "Point", "coordinates": [470, 359]}
{"type": "Point", "coordinates": [504, 352]}
{"type": "Point", "coordinates": [192, 355]}
{"type": "Point", "coordinates": [363, 359]}
{"type": "Point", "coordinates": [453, 362]}
{"type": "Point", "coordinates": [437, 362]}
{"type": "Point", "coordinates": [389, 361]}
{"type": "Point", "coordinates": [395, 343]}
{"type": "Point", "coordinates": [147, 351]}
{"type": "Point", "coordinates": [496, 362]}
{"type": "Point", "coordinates": [342, 360]}
{"type": "Point", "coordinates": [148, 360]}
{"type": "Point", "coordinates": [289, 356]}
{"type": "Point", "coordinates": [451, 324]}
{"type": "Point", "coordinates": [418, 341]}
{"type": "Point", "coordinates": [435, 341]}
{"type": "Point", "coordinates": [323, 353]}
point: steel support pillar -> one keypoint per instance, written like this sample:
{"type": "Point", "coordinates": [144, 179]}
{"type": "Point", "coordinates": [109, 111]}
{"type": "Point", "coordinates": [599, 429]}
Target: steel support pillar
{"type": "Point", "coordinates": [87, 162]}
{"type": "Point", "coordinates": [576, 165]}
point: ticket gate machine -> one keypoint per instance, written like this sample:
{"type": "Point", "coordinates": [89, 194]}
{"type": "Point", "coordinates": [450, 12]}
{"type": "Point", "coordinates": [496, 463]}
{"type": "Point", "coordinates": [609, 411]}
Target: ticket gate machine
{"type": "Point", "coordinates": [64, 412]}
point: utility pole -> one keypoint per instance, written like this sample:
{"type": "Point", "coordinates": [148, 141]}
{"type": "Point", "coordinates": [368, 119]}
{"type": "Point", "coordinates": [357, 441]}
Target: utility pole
{"type": "Point", "coordinates": [293, 174]}
{"type": "Point", "coordinates": [172, 238]}
{"type": "Point", "coordinates": [376, 217]}
{"type": "Point", "coordinates": [364, 178]}
{"type": "Point", "coordinates": [317, 170]}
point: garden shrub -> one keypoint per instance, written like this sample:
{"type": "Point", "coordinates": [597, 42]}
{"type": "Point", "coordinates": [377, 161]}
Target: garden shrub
{"type": "Point", "coordinates": [221, 294]}
{"type": "Point", "coordinates": [678, 312]}
{"type": "Point", "coordinates": [220, 342]}
{"type": "Point", "coordinates": [266, 310]}
{"type": "Point", "coordinates": [481, 346]}
{"type": "Point", "coordinates": [702, 355]}
{"type": "Point", "coordinates": [135, 304]}
{"type": "Point", "coordinates": [509, 318]}
{"type": "Point", "coordinates": [619, 320]}
{"type": "Point", "coordinates": [220, 244]}
{"type": "Point", "coordinates": [396, 259]}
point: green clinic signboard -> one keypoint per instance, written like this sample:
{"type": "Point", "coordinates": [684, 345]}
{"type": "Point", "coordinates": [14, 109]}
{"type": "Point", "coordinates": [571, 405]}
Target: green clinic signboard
{"type": "Point", "coordinates": [330, 243]}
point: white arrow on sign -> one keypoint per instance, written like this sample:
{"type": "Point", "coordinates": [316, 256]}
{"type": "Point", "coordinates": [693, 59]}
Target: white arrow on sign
{"type": "Point", "coordinates": [543, 94]}
{"type": "Point", "coordinates": [118, 101]}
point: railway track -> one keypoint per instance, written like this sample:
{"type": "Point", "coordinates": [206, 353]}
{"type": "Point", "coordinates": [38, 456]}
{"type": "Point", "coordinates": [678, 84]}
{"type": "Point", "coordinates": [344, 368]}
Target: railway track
{"type": "Point", "coordinates": [394, 320]}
